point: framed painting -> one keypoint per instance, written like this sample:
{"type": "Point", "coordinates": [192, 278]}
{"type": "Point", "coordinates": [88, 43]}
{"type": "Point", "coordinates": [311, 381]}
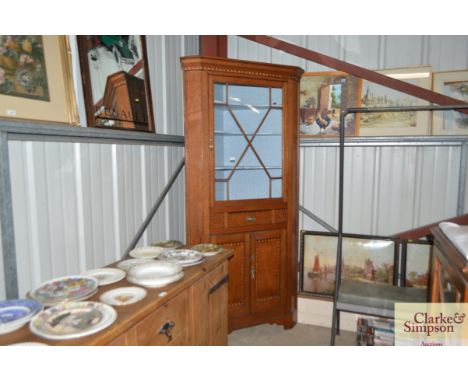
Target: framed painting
{"type": "Point", "coordinates": [416, 263]}
{"type": "Point", "coordinates": [453, 84]}
{"type": "Point", "coordinates": [369, 259]}
{"type": "Point", "coordinates": [404, 123]}
{"type": "Point", "coordinates": [116, 82]}
{"type": "Point", "coordinates": [36, 79]}
{"type": "Point", "coordinates": [322, 97]}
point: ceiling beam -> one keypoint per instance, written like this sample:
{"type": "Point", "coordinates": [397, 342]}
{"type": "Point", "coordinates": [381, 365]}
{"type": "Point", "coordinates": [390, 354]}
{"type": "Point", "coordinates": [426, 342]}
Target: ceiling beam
{"type": "Point", "coordinates": [213, 45]}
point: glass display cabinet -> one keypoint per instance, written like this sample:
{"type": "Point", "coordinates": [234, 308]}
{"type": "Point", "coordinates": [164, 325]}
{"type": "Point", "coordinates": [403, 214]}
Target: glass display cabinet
{"type": "Point", "coordinates": [241, 141]}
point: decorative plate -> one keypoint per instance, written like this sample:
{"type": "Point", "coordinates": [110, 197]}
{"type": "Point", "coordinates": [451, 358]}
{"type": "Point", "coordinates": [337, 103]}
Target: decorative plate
{"type": "Point", "coordinates": [146, 252]}
{"type": "Point", "coordinates": [127, 264]}
{"type": "Point", "coordinates": [155, 275]}
{"type": "Point", "coordinates": [168, 244]}
{"type": "Point", "coordinates": [106, 276]}
{"type": "Point", "coordinates": [208, 249]}
{"type": "Point", "coordinates": [73, 320]}
{"type": "Point", "coordinates": [69, 288]}
{"type": "Point", "coordinates": [123, 296]}
{"type": "Point", "coordinates": [183, 257]}
{"type": "Point", "coordinates": [15, 313]}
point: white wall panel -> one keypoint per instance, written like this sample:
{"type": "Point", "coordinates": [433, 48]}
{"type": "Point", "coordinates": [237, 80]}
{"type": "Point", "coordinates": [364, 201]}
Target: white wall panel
{"type": "Point", "coordinates": [60, 232]}
{"type": "Point", "coordinates": [386, 189]}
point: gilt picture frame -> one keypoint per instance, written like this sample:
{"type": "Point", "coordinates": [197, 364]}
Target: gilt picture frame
{"type": "Point", "coordinates": [395, 123]}
{"type": "Point", "coordinates": [36, 82]}
{"type": "Point", "coordinates": [116, 82]}
{"type": "Point", "coordinates": [322, 97]}
{"type": "Point", "coordinates": [453, 84]}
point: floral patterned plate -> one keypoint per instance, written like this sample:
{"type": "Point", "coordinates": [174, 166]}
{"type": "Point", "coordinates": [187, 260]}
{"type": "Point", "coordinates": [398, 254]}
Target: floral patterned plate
{"type": "Point", "coordinates": [182, 257]}
{"type": "Point", "coordinates": [73, 320]}
{"type": "Point", "coordinates": [68, 288]}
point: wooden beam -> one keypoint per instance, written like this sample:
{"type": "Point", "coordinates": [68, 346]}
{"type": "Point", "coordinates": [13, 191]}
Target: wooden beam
{"type": "Point", "coordinates": [355, 70]}
{"type": "Point", "coordinates": [213, 45]}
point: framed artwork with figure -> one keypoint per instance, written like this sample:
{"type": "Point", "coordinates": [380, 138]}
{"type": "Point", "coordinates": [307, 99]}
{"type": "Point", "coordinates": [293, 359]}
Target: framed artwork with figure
{"type": "Point", "coordinates": [322, 97]}
{"type": "Point", "coordinates": [453, 84]}
{"type": "Point", "coordinates": [116, 82]}
{"type": "Point", "coordinates": [36, 81]}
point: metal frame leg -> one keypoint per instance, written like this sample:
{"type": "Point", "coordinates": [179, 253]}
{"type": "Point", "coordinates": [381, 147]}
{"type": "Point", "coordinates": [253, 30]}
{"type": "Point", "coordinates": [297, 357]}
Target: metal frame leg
{"type": "Point", "coordinates": [338, 322]}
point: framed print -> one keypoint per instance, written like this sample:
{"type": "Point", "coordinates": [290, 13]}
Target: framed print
{"type": "Point", "coordinates": [453, 84]}
{"type": "Point", "coordinates": [404, 123]}
{"type": "Point", "coordinates": [365, 258]}
{"type": "Point", "coordinates": [36, 79]}
{"type": "Point", "coordinates": [322, 97]}
{"type": "Point", "coordinates": [116, 82]}
{"type": "Point", "coordinates": [416, 261]}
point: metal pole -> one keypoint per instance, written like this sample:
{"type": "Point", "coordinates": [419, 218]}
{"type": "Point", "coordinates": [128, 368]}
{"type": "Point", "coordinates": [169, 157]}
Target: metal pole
{"type": "Point", "coordinates": [340, 225]}
{"type": "Point", "coordinates": [317, 219]}
{"type": "Point", "coordinates": [462, 179]}
{"type": "Point", "coordinates": [6, 222]}
{"type": "Point", "coordinates": [155, 208]}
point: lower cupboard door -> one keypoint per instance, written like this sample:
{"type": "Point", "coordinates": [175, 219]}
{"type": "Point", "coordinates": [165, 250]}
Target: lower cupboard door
{"type": "Point", "coordinates": [239, 272]}
{"type": "Point", "coordinates": [268, 284]}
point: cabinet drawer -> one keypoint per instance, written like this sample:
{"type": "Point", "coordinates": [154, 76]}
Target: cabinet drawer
{"type": "Point", "coordinates": [166, 326]}
{"type": "Point", "coordinates": [249, 218]}
{"type": "Point", "coordinates": [280, 216]}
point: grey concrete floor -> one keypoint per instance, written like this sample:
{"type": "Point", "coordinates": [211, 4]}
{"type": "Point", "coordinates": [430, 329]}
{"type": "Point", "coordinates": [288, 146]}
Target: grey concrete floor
{"type": "Point", "coordinates": [300, 335]}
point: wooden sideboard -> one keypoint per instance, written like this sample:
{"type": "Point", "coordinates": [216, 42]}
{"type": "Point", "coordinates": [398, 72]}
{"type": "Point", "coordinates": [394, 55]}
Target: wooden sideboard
{"type": "Point", "coordinates": [192, 312]}
{"type": "Point", "coordinates": [449, 276]}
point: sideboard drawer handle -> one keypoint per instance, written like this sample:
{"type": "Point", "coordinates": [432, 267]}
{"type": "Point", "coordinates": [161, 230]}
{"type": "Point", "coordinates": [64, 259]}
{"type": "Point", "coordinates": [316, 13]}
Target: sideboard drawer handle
{"type": "Point", "coordinates": [219, 284]}
{"type": "Point", "coordinates": [250, 219]}
{"type": "Point", "coordinates": [166, 329]}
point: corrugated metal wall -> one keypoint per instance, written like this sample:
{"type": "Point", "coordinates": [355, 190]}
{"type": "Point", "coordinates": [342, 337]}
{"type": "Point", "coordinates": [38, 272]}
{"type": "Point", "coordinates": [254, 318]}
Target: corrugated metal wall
{"type": "Point", "coordinates": [77, 206]}
{"type": "Point", "coordinates": [387, 189]}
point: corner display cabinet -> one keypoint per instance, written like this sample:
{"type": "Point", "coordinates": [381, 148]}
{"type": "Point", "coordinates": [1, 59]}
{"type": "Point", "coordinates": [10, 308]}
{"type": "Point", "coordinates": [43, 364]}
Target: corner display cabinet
{"type": "Point", "coordinates": [241, 142]}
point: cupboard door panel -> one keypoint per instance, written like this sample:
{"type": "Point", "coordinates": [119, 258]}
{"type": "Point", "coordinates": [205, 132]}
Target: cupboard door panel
{"type": "Point", "coordinates": [268, 264]}
{"type": "Point", "coordinates": [239, 288]}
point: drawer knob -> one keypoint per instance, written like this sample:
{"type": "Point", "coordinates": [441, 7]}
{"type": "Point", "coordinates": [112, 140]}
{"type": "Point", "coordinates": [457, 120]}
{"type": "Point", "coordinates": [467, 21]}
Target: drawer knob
{"type": "Point", "coordinates": [166, 329]}
{"type": "Point", "coordinates": [250, 219]}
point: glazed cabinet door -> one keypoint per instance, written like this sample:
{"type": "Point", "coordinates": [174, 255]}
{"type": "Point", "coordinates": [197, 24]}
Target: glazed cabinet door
{"type": "Point", "coordinates": [248, 140]}
{"type": "Point", "coordinates": [268, 283]}
{"type": "Point", "coordinates": [239, 272]}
